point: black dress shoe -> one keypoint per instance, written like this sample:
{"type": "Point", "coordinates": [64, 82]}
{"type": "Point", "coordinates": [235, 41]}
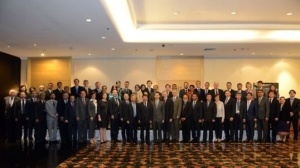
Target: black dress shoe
{"type": "Point", "coordinates": [203, 141]}
{"type": "Point", "coordinates": [246, 141]}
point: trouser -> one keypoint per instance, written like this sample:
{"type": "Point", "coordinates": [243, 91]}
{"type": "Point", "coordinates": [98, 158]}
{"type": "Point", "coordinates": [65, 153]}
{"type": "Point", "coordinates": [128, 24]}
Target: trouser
{"type": "Point", "coordinates": [238, 126]}
{"type": "Point", "coordinates": [127, 131]}
{"type": "Point", "coordinates": [175, 129]}
{"type": "Point", "coordinates": [72, 131]}
{"type": "Point", "coordinates": [228, 129]}
{"type": "Point", "coordinates": [156, 130]}
{"type": "Point", "coordinates": [40, 130]}
{"type": "Point", "coordinates": [135, 127]}
{"type": "Point", "coordinates": [262, 130]}
{"type": "Point", "coordinates": [31, 125]}
{"type": "Point", "coordinates": [294, 121]}
{"type": "Point", "coordinates": [52, 129]}
{"type": "Point", "coordinates": [185, 127]}
{"type": "Point", "coordinates": [82, 130]}
{"type": "Point", "coordinates": [114, 128]}
{"type": "Point", "coordinates": [92, 126]}
{"type": "Point", "coordinates": [218, 127]}
{"type": "Point", "coordinates": [250, 128]}
{"type": "Point", "coordinates": [18, 129]}
{"type": "Point", "coordinates": [63, 130]}
{"type": "Point", "coordinates": [272, 124]}
{"type": "Point", "coordinates": [147, 128]}
{"type": "Point", "coordinates": [166, 130]}
{"type": "Point", "coordinates": [207, 126]}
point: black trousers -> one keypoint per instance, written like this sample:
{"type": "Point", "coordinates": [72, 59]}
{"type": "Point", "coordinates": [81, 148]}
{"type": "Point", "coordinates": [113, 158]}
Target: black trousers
{"type": "Point", "coordinates": [114, 128]}
{"type": "Point", "coordinates": [72, 130]}
{"type": "Point", "coordinates": [144, 127]}
{"type": "Point", "coordinates": [218, 127]}
{"type": "Point", "coordinates": [238, 126]}
{"type": "Point", "coordinates": [31, 125]}
{"type": "Point", "coordinates": [294, 121]}
{"type": "Point", "coordinates": [22, 122]}
{"type": "Point", "coordinates": [166, 130]}
{"type": "Point", "coordinates": [82, 130]}
{"type": "Point", "coordinates": [228, 129]}
{"type": "Point", "coordinates": [272, 125]}
{"type": "Point", "coordinates": [250, 128]}
{"type": "Point", "coordinates": [156, 126]}
{"type": "Point", "coordinates": [207, 126]}
{"type": "Point", "coordinates": [127, 131]}
{"type": "Point", "coordinates": [63, 130]}
{"type": "Point", "coordinates": [135, 125]}
{"type": "Point", "coordinates": [40, 131]}
{"type": "Point", "coordinates": [185, 126]}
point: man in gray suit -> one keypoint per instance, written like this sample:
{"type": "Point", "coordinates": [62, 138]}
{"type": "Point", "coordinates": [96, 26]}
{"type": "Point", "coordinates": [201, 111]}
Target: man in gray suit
{"type": "Point", "coordinates": [158, 116]}
{"type": "Point", "coordinates": [81, 115]}
{"type": "Point", "coordinates": [263, 114]}
{"type": "Point", "coordinates": [175, 119]}
{"type": "Point", "coordinates": [10, 103]}
{"type": "Point", "coordinates": [52, 115]}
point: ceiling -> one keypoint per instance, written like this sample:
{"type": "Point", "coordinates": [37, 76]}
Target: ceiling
{"type": "Point", "coordinates": [59, 28]}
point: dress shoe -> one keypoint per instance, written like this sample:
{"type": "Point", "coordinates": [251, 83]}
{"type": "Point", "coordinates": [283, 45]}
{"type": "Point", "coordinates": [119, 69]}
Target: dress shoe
{"type": "Point", "coordinates": [250, 141]}
{"type": "Point", "coordinates": [246, 141]}
{"type": "Point", "coordinates": [203, 141]}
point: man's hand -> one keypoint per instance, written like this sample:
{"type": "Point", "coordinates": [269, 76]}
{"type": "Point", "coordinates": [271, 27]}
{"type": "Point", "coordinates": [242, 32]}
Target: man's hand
{"type": "Point", "coordinates": [170, 120]}
{"type": "Point", "coordinates": [213, 120]}
{"type": "Point", "coordinates": [231, 119]}
{"type": "Point", "coordinates": [37, 120]}
{"type": "Point", "coordinates": [150, 121]}
{"type": "Point", "coordinates": [139, 121]}
{"type": "Point", "coordinates": [244, 120]}
{"type": "Point", "coordinates": [255, 119]}
{"type": "Point", "coordinates": [27, 118]}
{"type": "Point", "coordinates": [66, 121]}
{"type": "Point", "coordinates": [77, 118]}
{"type": "Point", "coordinates": [112, 117]}
{"type": "Point", "coordinates": [121, 119]}
{"type": "Point", "coordinates": [62, 118]}
{"type": "Point", "coordinates": [267, 119]}
{"type": "Point", "coordinates": [128, 122]}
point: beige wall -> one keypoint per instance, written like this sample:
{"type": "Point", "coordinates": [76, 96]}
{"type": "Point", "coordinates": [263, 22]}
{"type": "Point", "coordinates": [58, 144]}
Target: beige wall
{"type": "Point", "coordinates": [284, 71]}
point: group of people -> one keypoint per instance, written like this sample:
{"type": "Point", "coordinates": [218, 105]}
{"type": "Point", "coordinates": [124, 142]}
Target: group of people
{"type": "Point", "coordinates": [78, 111]}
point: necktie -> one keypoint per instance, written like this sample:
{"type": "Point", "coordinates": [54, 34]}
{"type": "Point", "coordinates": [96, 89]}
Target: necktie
{"type": "Point", "coordinates": [174, 98]}
{"type": "Point", "coordinates": [198, 90]}
{"type": "Point", "coordinates": [281, 107]}
{"type": "Point", "coordinates": [259, 100]}
{"type": "Point", "coordinates": [217, 92]}
{"type": "Point", "coordinates": [184, 105]}
{"type": "Point", "coordinates": [145, 104]}
{"type": "Point", "coordinates": [292, 99]}
{"type": "Point", "coordinates": [194, 103]}
{"type": "Point", "coordinates": [185, 90]}
{"type": "Point", "coordinates": [165, 100]}
{"type": "Point", "coordinates": [117, 102]}
{"type": "Point", "coordinates": [53, 103]}
{"type": "Point", "coordinates": [205, 91]}
{"type": "Point", "coordinates": [83, 101]}
{"type": "Point", "coordinates": [270, 101]}
{"type": "Point", "coordinates": [127, 102]}
{"type": "Point", "coordinates": [156, 103]}
{"type": "Point", "coordinates": [72, 104]}
{"type": "Point", "coordinates": [226, 101]}
{"type": "Point", "coordinates": [248, 104]}
{"type": "Point", "coordinates": [76, 87]}
{"type": "Point", "coordinates": [11, 101]}
{"type": "Point", "coordinates": [238, 106]}
{"type": "Point", "coordinates": [87, 90]}
{"type": "Point", "coordinates": [134, 109]}
{"type": "Point", "coordinates": [207, 104]}
{"type": "Point", "coordinates": [22, 106]}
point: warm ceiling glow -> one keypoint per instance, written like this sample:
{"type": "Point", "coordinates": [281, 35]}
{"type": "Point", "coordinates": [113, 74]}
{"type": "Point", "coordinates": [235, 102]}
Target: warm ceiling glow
{"type": "Point", "coordinates": [181, 54]}
{"type": "Point", "coordinates": [176, 13]}
{"type": "Point", "coordinates": [8, 46]}
{"type": "Point", "coordinates": [90, 54]}
{"type": "Point", "coordinates": [34, 44]}
{"type": "Point", "coordinates": [130, 31]}
{"type": "Point", "coordinates": [42, 54]}
{"type": "Point", "coordinates": [88, 20]}
{"type": "Point", "coordinates": [103, 37]}
{"type": "Point", "coordinates": [113, 49]}
{"type": "Point", "coordinates": [233, 13]}
{"type": "Point", "coordinates": [289, 14]}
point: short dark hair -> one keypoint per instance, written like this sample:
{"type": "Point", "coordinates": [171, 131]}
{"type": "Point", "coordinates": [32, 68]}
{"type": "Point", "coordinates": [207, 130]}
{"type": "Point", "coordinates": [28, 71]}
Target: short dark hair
{"type": "Point", "coordinates": [239, 84]}
{"type": "Point", "coordinates": [249, 94]}
{"type": "Point", "coordinates": [118, 82]}
{"type": "Point", "coordinates": [149, 81]}
{"type": "Point", "coordinates": [157, 93]}
{"type": "Point", "coordinates": [167, 85]}
{"type": "Point", "coordinates": [59, 83]}
{"type": "Point", "coordinates": [260, 82]}
{"type": "Point", "coordinates": [50, 83]}
{"type": "Point", "coordinates": [292, 91]}
{"type": "Point", "coordinates": [259, 90]}
{"type": "Point", "coordinates": [229, 83]}
{"type": "Point", "coordinates": [126, 82]}
{"type": "Point", "coordinates": [192, 86]}
{"type": "Point", "coordinates": [145, 95]}
{"type": "Point", "coordinates": [76, 80]}
{"type": "Point", "coordinates": [52, 93]}
{"type": "Point", "coordinates": [208, 94]}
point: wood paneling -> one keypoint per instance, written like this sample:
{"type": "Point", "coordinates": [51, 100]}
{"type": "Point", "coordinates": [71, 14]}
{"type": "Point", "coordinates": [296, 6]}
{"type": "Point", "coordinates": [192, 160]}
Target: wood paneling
{"type": "Point", "coordinates": [41, 71]}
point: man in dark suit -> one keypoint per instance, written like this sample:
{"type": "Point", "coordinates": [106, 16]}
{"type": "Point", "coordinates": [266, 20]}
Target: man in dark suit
{"type": "Point", "coordinates": [114, 106]}
{"type": "Point", "coordinates": [81, 116]}
{"type": "Point", "coordinates": [126, 116]}
{"type": "Point", "coordinates": [158, 117]}
{"type": "Point", "coordinates": [196, 118]}
{"type": "Point", "coordinates": [263, 113]}
{"type": "Point", "coordinates": [59, 92]}
{"type": "Point", "coordinates": [40, 120]}
{"type": "Point", "coordinates": [239, 118]}
{"type": "Point", "coordinates": [199, 91]}
{"type": "Point", "coordinates": [87, 89]}
{"type": "Point", "coordinates": [98, 91]}
{"type": "Point", "coordinates": [134, 108]}
{"type": "Point", "coordinates": [185, 117]}
{"type": "Point", "coordinates": [76, 89]}
{"type": "Point", "coordinates": [21, 119]}
{"type": "Point", "coordinates": [229, 88]}
{"type": "Point", "coordinates": [185, 89]}
{"type": "Point", "coordinates": [32, 103]}
{"type": "Point", "coordinates": [274, 114]}
{"type": "Point", "coordinates": [49, 91]}
{"type": "Point", "coordinates": [294, 106]}
{"type": "Point", "coordinates": [145, 118]}
{"type": "Point", "coordinates": [169, 92]}
{"type": "Point", "coordinates": [10, 105]}
{"type": "Point", "coordinates": [169, 109]}
{"type": "Point", "coordinates": [251, 114]}
{"type": "Point", "coordinates": [70, 120]}
{"type": "Point", "coordinates": [216, 90]}
{"type": "Point", "coordinates": [229, 106]}
{"type": "Point", "coordinates": [149, 90]}
{"type": "Point", "coordinates": [126, 90]}
{"type": "Point", "coordinates": [118, 86]}
{"type": "Point", "coordinates": [208, 118]}
{"type": "Point", "coordinates": [63, 127]}
{"type": "Point", "coordinates": [242, 92]}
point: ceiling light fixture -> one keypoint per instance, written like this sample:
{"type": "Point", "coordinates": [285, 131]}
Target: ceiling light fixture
{"type": "Point", "coordinates": [90, 54]}
{"type": "Point", "coordinates": [253, 53]}
{"type": "Point", "coordinates": [103, 37]}
{"type": "Point", "coordinates": [233, 13]}
{"type": "Point", "coordinates": [133, 54]}
{"type": "Point", "coordinates": [88, 20]}
{"type": "Point", "coordinates": [8, 46]}
{"type": "Point", "coordinates": [289, 14]}
{"type": "Point", "coordinates": [34, 44]}
{"type": "Point", "coordinates": [176, 13]}
{"type": "Point", "coordinates": [113, 49]}
{"type": "Point", "coordinates": [181, 54]}
{"type": "Point", "coordinates": [43, 53]}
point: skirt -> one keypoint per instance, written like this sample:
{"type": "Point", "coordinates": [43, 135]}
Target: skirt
{"type": "Point", "coordinates": [283, 128]}
{"type": "Point", "coordinates": [103, 123]}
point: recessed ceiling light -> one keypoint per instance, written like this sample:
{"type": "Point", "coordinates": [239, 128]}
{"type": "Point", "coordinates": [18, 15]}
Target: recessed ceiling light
{"type": "Point", "coordinates": [113, 49]}
{"type": "Point", "coordinates": [90, 54]}
{"type": "Point", "coordinates": [233, 13]}
{"type": "Point", "coordinates": [253, 53]}
{"type": "Point", "coordinates": [181, 54]}
{"type": "Point", "coordinates": [103, 37]}
{"type": "Point", "coordinates": [42, 54]}
{"type": "Point", "coordinates": [271, 53]}
{"type": "Point", "coordinates": [176, 13]}
{"type": "Point", "coordinates": [8, 46]}
{"type": "Point", "coordinates": [289, 14]}
{"type": "Point", "coordinates": [133, 54]}
{"type": "Point", "coordinates": [34, 44]}
{"type": "Point", "coordinates": [88, 20]}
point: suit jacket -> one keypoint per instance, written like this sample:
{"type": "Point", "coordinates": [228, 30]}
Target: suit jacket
{"type": "Point", "coordinates": [76, 94]}
{"type": "Point", "coordinates": [88, 92]}
{"type": "Point", "coordinates": [197, 111]}
{"type": "Point", "coordinates": [252, 110]}
{"type": "Point", "coordinates": [229, 108]}
{"type": "Point", "coordinates": [9, 110]}
{"type": "Point", "coordinates": [98, 94]}
{"type": "Point", "coordinates": [51, 109]}
{"type": "Point", "coordinates": [92, 110]}
{"type": "Point", "coordinates": [18, 112]}
{"type": "Point", "coordinates": [123, 91]}
{"type": "Point", "coordinates": [31, 108]}
{"type": "Point", "coordinates": [177, 107]}
{"type": "Point", "coordinates": [263, 108]}
{"type": "Point", "coordinates": [47, 93]}
{"type": "Point", "coordinates": [210, 111]}
{"type": "Point", "coordinates": [126, 112]}
{"type": "Point", "coordinates": [40, 111]}
{"type": "Point", "coordinates": [149, 93]}
{"type": "Point", "coordinates": [61, 105]}
{"type": "Point", "coordinates": [201, 94]}
{"type": "Point", "coordinates": [70, 112]}
{"type": "Point", "coordinates": [145, 114]}
{"type": "Point", "coordinates": [243, 94]}
{"type": "Point", "coordinates": [159, 111]}
{"type": "Point", "coordinates": [58, 94]}
{"type": "Point", "coordinates": [242, 109]}
{"type": "Point", "coordinates": [295, 107]}
{"type": "Point", "coordinates": [169, 109]}
{"type": "Point", "coordinates": [81, 109]}
{"type": "Point", "coordinates": [221, 93]}
{"type": "Point", "coordinates": [114, 108]}
{"type": "Point", "coordinates": [186, 110]}
{"type": "Point", "coordinates": [274, 109]}
{"type": "Point", "coordinates": [232, 93]}
{"type": "Point", "coordinates": [182, 92]}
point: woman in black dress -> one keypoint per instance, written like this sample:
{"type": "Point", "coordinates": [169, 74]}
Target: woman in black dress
{"type": "Point", "coordinates": [283, 123]}
{"type": "Point", "coordinates": [102, 117]}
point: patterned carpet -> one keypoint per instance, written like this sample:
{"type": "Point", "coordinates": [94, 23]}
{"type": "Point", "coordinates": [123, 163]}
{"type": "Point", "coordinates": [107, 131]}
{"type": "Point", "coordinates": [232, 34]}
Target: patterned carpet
{"type": "Point", "coordinates": [187, 155]}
